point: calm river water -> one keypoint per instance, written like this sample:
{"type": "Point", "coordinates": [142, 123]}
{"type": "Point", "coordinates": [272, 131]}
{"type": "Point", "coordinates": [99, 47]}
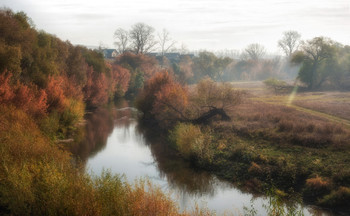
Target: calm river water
{"type": "Point", "coordinates": [113, 139]}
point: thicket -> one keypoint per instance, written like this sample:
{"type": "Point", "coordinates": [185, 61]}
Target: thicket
{"type": "Point", "coordinates": [37, 178]}
{"type": "Point", "coordinates": [168, 102]}
{"type": "Point", "coordinates": [52, 80]}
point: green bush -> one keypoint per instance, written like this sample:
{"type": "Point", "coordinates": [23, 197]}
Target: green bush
{"type": "Point", "coordinates": [272, 82]}
{"type": "Point", "coordinates": [192, 143]}
{"type": "Point", "coordinates": [277, 85]}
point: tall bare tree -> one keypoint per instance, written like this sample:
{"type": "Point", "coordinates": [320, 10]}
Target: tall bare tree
{"type": "Point", "coordinates": [290, 42]}
{"type": "Point", "coordinates": [166, 43]}
{"type": "Point", "coordinates": [254, 51]}
{"type": "Point", "coordinates": [183, 49]}
{"type": "Point", "coordinates": [142, 38]}
{"type": "Point", "coordinates": [121, 36]}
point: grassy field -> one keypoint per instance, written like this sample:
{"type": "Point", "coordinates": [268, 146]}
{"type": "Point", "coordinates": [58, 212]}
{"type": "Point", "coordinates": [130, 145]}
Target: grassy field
{"type": "Point", "coordinates": [295, 142]}
{"type": "Point", "coordinates": [334, 106]}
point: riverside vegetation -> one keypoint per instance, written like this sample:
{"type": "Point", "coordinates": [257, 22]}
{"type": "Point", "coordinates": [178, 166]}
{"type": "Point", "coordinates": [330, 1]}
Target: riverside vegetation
{"type": "Point", "coordinates": [241, 134]}
{"type": "Point", "coordinates": [260, 140]}
{"type": "Point", "coordinates": [45, 86]}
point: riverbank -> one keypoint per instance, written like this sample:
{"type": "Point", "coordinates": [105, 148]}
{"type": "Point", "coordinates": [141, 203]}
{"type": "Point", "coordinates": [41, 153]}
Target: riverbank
{"type": "Point", "coordinates": [275, 145]}
{"type": "Point", "coordinates": [38, 178]}
{"type": "Point", "coordinates": [115, 140]}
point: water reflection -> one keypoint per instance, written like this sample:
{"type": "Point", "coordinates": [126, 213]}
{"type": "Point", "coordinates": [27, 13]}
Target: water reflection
{"type": "Point", "coordinates": [114, 140]}
{"type": "Point", "coordinates": [92, 137]}
{"type": "Point", "coordinates": [179, 174]}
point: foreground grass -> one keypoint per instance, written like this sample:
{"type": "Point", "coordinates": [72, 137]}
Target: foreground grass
{"type": "Point", "coordinates": [37, 178]}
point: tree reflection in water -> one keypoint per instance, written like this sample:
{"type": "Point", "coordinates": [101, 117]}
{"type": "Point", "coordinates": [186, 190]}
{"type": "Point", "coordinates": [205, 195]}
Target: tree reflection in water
{"type": "Point", "coordinates": [99, 126]}
{"type": "Point", "coordinates": [140, 150]}
{"type": "Point", "coordinates": [179, 173]}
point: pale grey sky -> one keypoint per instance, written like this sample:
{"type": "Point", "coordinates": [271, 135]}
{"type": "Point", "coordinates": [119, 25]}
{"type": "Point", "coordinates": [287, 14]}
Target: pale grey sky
{"type": "Point", "coordinates": [199, 24]}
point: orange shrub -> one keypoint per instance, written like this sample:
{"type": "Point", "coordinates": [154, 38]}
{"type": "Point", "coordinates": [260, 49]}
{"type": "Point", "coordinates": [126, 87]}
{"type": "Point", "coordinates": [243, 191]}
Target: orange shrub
{"type": "Point", "coordinates": [146, 199]}
{"type": "Point", "coordinates": [55, 93]}
{"type": "Point", "coordinates": [120, 80]}
{"type": "Point", "coordinates": [6, 91]}
{"type": "Point", "coordinates": [317, 183]}
{"type": "Point", "coordinates": [96, 88]}
{"type": "Point", "coordinates": [170, 103]}
{"type": "Point", "coordinates": [27, 98]}
{"type": "Point", "coordinates": [154, 85]}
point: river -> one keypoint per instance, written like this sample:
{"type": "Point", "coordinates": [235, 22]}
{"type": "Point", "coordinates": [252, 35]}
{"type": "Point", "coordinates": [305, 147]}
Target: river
{"type": "Point", "coordinates": [113, 139]}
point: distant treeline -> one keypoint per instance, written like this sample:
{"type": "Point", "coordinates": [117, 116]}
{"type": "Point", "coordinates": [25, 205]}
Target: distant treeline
{"type": "Point", "coordinates": [319, 63]}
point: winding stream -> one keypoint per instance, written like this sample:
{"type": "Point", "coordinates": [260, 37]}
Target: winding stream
{"type": "Point", "coordinates": [112, 139]}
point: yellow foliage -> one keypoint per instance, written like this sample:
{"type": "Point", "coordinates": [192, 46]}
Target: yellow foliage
{"type": "Point", "coordinates": [317, 182]}
{"type": "Point", "coordinates": [190, 141]}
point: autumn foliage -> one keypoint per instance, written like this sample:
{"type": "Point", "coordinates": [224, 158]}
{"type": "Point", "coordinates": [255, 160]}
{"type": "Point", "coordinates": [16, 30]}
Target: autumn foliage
{"type": "Point", "coordinates": [45, 85]}
{"type": "Point", "coordinates": [55, 92]}
{"type": "Point", "coordinates": [28, 98]}
{"type": "Point", "coordinates": [6, 91]}
{"type": "Point", "coordinates": [147, 64]}
{"type": "Point", "coordinates": [95, 90]}
{"type": "Point", "coordinates": [170, 102]}
{"type": "Point", "coordinates": [141, 68]}
{"type": "Point", "coordinates": [163, 98]}
{"type": "Point", "coordinates": [52, 80]}
{"type": "Point", "coordinates": [167, 101]}
{"type": "Point", "coordinates": [120, 80]}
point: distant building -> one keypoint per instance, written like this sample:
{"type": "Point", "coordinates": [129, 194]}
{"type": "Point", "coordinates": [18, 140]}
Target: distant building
{"type": "Point", "coordinates": [109, 53]}
{"type": "Point", "coordinates": [172, 57]}
{"type": "Point", "coordinates": [189, 54]}
{"type": "Point", "coordinates": [154, 54]}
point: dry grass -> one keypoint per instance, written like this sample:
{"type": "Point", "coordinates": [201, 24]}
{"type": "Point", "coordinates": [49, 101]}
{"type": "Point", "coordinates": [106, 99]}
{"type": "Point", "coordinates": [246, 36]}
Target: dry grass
{"type": "Point", "coordinates": [332, 103]}
{"type": "Point", "coordinates": [315, 119]}
{"type": "Point", "coordinates": [317, 183]}
{"type": "Point", "coordinates": [287, 125]}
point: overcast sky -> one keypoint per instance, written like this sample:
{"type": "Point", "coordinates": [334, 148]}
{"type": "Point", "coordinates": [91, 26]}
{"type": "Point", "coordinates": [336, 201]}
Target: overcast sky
{"type": "Point", "coordinates": [199, 24]}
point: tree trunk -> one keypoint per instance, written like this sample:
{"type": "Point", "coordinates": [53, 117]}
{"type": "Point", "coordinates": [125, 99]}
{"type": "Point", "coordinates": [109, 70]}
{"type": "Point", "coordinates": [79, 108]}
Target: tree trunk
{"type": "Point", "coordinates": [205, 118]}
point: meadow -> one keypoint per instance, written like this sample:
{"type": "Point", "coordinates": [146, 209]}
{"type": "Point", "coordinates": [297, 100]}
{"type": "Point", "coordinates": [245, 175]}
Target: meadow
{"type": "Point", "coordinates": [296, 142]}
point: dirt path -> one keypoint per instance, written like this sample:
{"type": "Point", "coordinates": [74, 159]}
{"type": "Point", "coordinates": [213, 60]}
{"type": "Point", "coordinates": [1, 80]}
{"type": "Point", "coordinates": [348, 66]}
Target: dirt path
{"type": "Point", "coordinates": [306, 110]}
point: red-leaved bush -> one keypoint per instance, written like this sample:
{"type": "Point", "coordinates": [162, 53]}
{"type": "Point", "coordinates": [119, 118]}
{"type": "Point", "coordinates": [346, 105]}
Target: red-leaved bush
{"type": "Point", "coordinates": [120, 80]}
{"type": "Point", "coordinates": [96, 88]}
{"type": "Point", "coordinates": [28, 98]}
{"type": "Point", "coordinates": [163, 98]}
{"type": "Point", "coordinates": [55, 93]}
{"type": "Point", "coordinates": [6, 91]}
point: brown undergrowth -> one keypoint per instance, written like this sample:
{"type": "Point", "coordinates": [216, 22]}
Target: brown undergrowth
{"type": "Point", "coordinates": [273, 144]}
{"type": "Point", "coordinates": [269, 144]}
{"type": "Point", "coordinates": [332, 103]}
{"type": "Point", "coordinates": [38, 178]}
{"type": "Point", "coordinates": [282, 124]}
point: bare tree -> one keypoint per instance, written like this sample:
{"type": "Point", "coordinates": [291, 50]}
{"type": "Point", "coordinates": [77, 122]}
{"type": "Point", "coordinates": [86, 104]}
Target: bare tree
{"type": "Point", "coordinates": [254, 51]}
{"type": "Point", "coordinates": [122, 38]}
{"type": "Point", "coordinates": [165, 41]}
{"type": "Point", "coordinates": [290, 42]}
{"type": "Point", "coordinates": [183, 49]}
{"type": "Point", "coordinates": [142, 38]}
